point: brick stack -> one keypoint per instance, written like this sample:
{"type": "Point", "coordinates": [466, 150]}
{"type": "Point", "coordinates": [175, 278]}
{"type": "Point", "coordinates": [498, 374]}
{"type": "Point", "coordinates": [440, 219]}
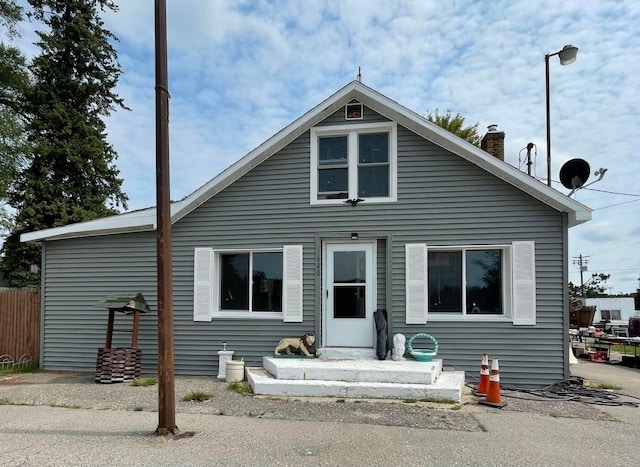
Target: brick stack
{"type": "Point", "coordinates": [118, 365]}
{"type": "Point", "coordinates": [493, 142]}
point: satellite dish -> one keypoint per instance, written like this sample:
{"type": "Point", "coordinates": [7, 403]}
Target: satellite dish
{"type": "Point", "coordinates": [574, 173]}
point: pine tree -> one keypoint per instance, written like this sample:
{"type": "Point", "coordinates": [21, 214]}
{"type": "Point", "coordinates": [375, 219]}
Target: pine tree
{"type": "Point", "coordinates": [13, 82]}
{"type": "Point", "coordinates": [71, 174]}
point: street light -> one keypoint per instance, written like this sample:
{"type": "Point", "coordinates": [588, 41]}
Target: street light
{"type": "Point", "coordinates": [567, 56]}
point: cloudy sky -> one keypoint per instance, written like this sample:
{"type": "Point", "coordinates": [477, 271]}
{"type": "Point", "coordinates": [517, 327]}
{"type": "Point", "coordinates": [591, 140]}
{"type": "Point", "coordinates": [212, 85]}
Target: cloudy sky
{"type": "Point", "coordinates": [239, 71]}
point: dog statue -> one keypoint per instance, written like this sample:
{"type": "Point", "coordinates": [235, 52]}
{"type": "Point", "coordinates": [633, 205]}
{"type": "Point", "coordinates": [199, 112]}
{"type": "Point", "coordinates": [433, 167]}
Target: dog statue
{"type": "Point", "coordinates": [296, 344]}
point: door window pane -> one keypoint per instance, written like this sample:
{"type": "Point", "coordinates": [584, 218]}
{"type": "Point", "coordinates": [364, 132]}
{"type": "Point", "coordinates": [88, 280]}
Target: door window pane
{"type": "Point", "coordinates": [267, 281]}
{"type": "Point", "coordinates": [349, 267]}
{"type": "Point", "coordinates": [234, 281]}
{"type": "Point", "coordinates": [349, 302]}
{"type": "Point", "coordinates": [445, 281]}
{"type": "Point", "coordinates": [484, 281]}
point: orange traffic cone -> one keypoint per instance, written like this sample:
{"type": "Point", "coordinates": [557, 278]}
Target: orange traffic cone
{"type": "Point", "coordinates": [483, 384]}
{"type": "Point", "coordinates": [493, 393]}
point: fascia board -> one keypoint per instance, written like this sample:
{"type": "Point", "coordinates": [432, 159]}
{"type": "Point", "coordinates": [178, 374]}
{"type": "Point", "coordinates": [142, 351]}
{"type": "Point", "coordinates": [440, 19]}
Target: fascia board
{"type": "Point", "coordinates": [135, 221]}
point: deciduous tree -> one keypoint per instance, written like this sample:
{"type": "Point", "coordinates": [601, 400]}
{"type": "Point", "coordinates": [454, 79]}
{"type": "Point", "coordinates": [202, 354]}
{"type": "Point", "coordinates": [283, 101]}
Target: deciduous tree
{"type": "Point", "coordinates": [593, 288]}
{"type": "Point", "coordinates": [455, 124]}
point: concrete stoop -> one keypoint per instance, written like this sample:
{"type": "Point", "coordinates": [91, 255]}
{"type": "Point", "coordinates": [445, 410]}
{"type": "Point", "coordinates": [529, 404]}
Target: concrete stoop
{"type": "Point", "coordinates": [380, 379]}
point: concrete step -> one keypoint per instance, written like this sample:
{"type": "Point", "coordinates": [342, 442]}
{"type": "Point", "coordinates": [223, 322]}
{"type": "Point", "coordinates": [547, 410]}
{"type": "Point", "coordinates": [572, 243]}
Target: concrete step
{"type": "Point", "coordinates": [448, 387]}
{"type": "Point", "coordinates": [373, 371]}
{"type": "Point", "coordinates": [346, 353]}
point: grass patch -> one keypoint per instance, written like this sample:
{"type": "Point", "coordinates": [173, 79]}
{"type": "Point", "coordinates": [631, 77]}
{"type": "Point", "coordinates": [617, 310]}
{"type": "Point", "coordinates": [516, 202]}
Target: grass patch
{"type": "Point", "coordinates": [410, 401]}
{"type": "Point", "coordinates": [19, 368]}
{"type": "Point", "coordinates": [197, 396]}
{"type": "Point", "coordinates": [482, 427]}
{"type": "Point", "coordinates": [65, 406]}
{"type": "Point", "coordinates": [145, 382]}
{"type": "Point", "coordinates": [4, 401]}
{"type": "Point", "coordinates": [138, 409]}
{"type": "Point", "coordinates": [456, 407]}
{"type": "Point", "coordinates": [591, 385]}
{"type": "Point", "coordinates": [241, 387]}
{"type": "Point", "coordinates": [340, 401]}
{"type": "Point", "coordinates": [438, 401]}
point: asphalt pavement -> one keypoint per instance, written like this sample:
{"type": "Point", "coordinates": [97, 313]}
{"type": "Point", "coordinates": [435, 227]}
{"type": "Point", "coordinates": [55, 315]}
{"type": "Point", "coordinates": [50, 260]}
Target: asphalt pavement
{"type": "Point", "coordinates": [65, 419]}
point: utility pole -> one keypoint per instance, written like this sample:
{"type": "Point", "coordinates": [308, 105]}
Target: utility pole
{"type": "Point", "coordinates": [166, 378]}
{"type": "Point", "coordinates": [581, 261]}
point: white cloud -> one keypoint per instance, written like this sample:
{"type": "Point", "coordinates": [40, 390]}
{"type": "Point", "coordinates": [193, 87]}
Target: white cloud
{"type": "Point", "coordinates": [240, 71]}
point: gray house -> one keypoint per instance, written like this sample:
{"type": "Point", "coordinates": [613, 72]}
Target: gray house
{"type": "Point", "coordinates": [358, 205]}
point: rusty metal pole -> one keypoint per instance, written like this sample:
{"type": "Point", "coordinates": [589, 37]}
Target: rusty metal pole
{"type": "Point", "coordinates": [166, 380]}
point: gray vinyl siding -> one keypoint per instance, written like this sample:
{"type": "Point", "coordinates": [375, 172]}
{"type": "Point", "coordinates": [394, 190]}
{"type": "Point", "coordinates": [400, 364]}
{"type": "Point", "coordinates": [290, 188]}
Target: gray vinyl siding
{"type": "Point", "coordinates": [442, 200]}
{"type": "Point", "coordinates": [368, 116]}
{"type": "Point", "coordinates": [77, 274]}
{"type": "Point", "coordinates": [468, 207]}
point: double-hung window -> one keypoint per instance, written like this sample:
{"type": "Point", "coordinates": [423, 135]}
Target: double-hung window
{"type": "Point", "coordinates": [353, 162]}
{"type": "Point", "coordinates": [477, 282]}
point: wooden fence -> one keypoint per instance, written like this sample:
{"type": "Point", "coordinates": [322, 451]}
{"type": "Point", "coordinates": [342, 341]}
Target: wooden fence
{"type": "Point", "coordinates": [19, 326]}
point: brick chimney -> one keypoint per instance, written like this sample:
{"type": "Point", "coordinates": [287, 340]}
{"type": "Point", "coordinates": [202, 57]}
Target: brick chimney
{"type": "Point", "coordinates": [493, 142]}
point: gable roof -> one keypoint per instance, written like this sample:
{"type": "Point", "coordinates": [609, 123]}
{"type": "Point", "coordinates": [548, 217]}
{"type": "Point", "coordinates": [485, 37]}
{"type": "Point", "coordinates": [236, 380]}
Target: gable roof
{"type": "Point", "coordinates": [145, 219]}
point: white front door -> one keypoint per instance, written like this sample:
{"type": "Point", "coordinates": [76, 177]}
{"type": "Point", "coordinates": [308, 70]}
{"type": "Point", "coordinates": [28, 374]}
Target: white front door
{"type": "Point", "coordinates": [348, 296]}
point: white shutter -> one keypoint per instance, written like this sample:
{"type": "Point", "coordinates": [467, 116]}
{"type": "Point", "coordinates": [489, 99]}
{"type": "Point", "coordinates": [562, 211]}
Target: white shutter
{"type": "Point", "coordinates": [292, 284]}
{"type": "Point", "coordinates": [416, 283]}
{"type": "Point", "coordinates": [202, 284]}
{"type": "Point", "coordinates": [524, 283]}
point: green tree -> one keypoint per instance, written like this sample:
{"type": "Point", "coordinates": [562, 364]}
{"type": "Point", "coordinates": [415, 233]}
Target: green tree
{"type": "Point", "coordinates": [10, 15]}
{"type": "Point", "coordinates": [13, 82]}
{"type": "Point", "coordinates": [455, 124]}
{"type": "Point", "coordinates": [70, 175]}
{"type": "Point", "coordinates": [593, 288]}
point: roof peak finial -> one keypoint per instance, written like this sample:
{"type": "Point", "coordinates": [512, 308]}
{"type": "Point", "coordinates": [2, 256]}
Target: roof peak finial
{"type": "Point", "coordinates": [359, 77]}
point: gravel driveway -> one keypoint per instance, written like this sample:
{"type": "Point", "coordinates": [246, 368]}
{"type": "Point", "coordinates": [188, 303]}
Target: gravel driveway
{"type": "Point", "coordinates": [78, 390]}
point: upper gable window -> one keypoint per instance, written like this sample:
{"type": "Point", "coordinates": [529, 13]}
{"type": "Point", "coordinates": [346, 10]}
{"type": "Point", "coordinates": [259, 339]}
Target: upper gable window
{"type": "Point", "coordinates": [351, 162]}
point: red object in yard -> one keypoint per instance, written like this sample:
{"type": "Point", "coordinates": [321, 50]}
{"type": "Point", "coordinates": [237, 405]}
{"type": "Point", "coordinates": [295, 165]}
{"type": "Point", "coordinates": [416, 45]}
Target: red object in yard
{"type": "Point", "coordinates": [598, 357]}
{"type": "Point", "coordinates": [493, 392]}
{"type": "Point", "coordinates": [483, 384]}
{"type": "Point", "coordinates": [634, 326]}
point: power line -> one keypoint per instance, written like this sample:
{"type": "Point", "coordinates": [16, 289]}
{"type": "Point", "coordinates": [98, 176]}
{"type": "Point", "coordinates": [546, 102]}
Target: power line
{"type": "Point", "coordinates": [619, 204]}
{"type": "Point", "coordinates": [609, 270]}
{"type": "Point", "coordinates": [619, 247]}
{"type": "Point", "coordinates": [612, 192]}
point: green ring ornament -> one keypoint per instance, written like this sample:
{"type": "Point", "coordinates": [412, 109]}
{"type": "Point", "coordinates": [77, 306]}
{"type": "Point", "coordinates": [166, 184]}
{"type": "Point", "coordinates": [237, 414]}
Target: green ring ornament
{"type": "Point", "coordinates": [422, 355]}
